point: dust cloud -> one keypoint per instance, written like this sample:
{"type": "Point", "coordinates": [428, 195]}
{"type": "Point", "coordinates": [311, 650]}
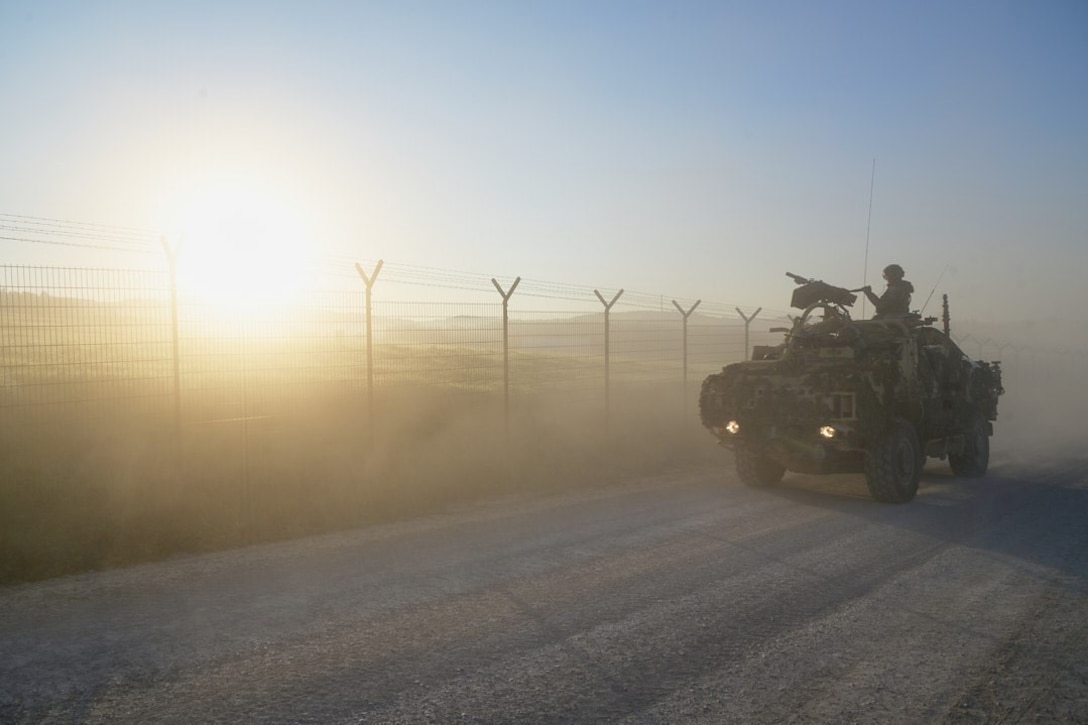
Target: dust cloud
{"type": "Point", "coordinates": [1044, 365]}
{"type": "Point", "coordinates": [122, 487]}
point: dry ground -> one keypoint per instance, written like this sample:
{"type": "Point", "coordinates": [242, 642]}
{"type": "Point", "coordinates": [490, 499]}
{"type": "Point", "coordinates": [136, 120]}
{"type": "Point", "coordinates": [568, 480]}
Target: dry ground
{"type": "Point", "coordinates": [680, 598]}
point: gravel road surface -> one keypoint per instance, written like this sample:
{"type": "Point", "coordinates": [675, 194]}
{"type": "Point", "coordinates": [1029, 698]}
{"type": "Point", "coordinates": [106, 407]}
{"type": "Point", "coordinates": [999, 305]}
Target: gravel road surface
{"type": "Point", "coordinates": [680, 598]}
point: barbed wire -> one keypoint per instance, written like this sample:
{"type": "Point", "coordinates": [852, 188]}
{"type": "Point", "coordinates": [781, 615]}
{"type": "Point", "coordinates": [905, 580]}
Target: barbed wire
{"type": "Point", "coordinates": [64, 233]}
{"type": "Point", "coordinates": [46, 230]}
{"type": "Point", "coordinates": [54, 242]}
{"type": "Point", "coordinates": [79, 224]}
{"type": "Point", "coordinates": [64, 229]}
{"type": "Point", "coordinates": [42, 226]}
{"type": "Point", "coordinates": [134, 245]}
{"type": "Point", "coordinates": [544, 289]}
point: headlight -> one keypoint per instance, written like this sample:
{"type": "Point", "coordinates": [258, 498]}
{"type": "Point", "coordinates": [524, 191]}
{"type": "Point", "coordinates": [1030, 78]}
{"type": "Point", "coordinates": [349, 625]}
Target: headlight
{"type": "Point", "coordinates": [732, 427]}
{"type": "Point", "coordinates": [827, 431]}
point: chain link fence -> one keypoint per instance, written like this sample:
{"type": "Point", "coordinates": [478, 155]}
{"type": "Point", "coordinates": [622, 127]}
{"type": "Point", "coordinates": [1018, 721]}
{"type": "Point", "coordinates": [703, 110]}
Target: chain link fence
{"type": "Point", "coordinates": [87, 339]}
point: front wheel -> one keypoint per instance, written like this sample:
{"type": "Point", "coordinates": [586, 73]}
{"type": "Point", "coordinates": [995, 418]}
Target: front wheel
{"type": "Point", "coordinates": [894, 465]}
{"type": "Point", "coordinates": [754, 469]}
{"type": "Point", "coordinates": [975, 459]}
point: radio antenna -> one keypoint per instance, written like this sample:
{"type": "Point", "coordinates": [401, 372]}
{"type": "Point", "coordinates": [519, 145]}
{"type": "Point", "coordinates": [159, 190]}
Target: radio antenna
{"type": "Point", "coordinates": [868, 226]}
{"type": "Point", "coordinates": [933, 290]}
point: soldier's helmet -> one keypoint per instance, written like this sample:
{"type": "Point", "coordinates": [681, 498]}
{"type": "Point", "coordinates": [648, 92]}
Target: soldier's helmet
{"type": "Point", "coordinates": [894, 271]}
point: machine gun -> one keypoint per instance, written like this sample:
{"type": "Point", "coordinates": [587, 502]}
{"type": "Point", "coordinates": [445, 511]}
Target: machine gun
{"type": "Point", "coordinates": [813, 291]}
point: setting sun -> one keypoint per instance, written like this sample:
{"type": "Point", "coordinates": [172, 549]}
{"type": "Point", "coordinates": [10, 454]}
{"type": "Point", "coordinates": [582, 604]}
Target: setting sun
{"type": "Point", "coordinates": [241, 248]}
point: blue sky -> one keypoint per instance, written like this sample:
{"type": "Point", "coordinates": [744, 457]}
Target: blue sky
{"type": "Point", "coordinates": [697, 149]}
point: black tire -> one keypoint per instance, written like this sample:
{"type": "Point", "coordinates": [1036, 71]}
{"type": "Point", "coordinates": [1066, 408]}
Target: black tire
{"type": "Point", "coordinates": [755, 470]}
{"type": "Point", "coordinates": [975, 459]}
{"type": "Point", "coordinates": [894, 465]}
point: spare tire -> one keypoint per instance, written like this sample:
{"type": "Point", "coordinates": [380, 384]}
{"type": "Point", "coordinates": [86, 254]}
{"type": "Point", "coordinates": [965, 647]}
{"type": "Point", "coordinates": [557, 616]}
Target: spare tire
{"type": "Point", "coordinates": [975, 459]}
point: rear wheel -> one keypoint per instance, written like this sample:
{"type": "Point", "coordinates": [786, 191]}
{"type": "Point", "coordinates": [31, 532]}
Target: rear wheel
{"type": "Point", "coordinates": [754, 469]}
{"type": "Point", "coordinates": [894, 465]}
{"type": "Point", "coordinates": [975, 459]}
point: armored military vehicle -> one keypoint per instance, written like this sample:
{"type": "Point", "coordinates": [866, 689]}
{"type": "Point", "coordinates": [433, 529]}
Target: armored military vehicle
{"type": "Point", "coordinates": [840, 395]}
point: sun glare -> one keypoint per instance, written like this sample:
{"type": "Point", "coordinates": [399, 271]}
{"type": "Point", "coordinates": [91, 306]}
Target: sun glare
{"type": "Point", "coordinates": [241, 249]}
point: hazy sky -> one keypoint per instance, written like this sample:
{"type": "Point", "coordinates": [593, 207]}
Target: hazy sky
{"type": "Point", "coordinates": [697, 149]}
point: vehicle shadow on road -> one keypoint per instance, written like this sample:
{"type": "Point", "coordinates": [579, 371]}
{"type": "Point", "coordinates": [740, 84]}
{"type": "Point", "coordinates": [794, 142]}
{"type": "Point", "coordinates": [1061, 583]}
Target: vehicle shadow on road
{"type": "Point", "coordinates": [1031, 513]}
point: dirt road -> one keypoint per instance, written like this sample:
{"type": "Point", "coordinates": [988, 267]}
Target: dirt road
{"type": "Point", "coordinates": [686, 598]}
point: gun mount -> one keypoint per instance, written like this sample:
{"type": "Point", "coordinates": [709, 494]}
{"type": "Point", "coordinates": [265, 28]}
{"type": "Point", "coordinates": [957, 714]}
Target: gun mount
{"type": "Point", "coordinates": [816, 292]}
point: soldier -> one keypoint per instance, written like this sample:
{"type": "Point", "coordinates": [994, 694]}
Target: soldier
{"type": "Point", "coordinates": [895, 302]}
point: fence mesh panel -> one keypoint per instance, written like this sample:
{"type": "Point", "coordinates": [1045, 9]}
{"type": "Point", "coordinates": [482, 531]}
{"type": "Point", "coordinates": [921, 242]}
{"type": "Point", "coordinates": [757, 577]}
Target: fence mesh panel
{"type": "Point", "coordinates": [83, 336]}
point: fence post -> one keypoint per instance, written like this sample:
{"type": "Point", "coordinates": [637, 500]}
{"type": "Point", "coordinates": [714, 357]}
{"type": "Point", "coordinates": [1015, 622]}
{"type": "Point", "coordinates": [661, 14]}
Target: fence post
{"type": "Point", "coordinates": [747, 322]}
{"type": "Point", "coordinates": [506, 349]}
{"type": "Point", "coordinates": [685, 315]}
{"type": "Point", "coordinates": [607, 357]}
{"type": "Point", "coordinates": [247, 492]}
{"type": "Point", "coordinates": [172, 258]}
{"type": "Point", "coordinates": [369, 282]}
